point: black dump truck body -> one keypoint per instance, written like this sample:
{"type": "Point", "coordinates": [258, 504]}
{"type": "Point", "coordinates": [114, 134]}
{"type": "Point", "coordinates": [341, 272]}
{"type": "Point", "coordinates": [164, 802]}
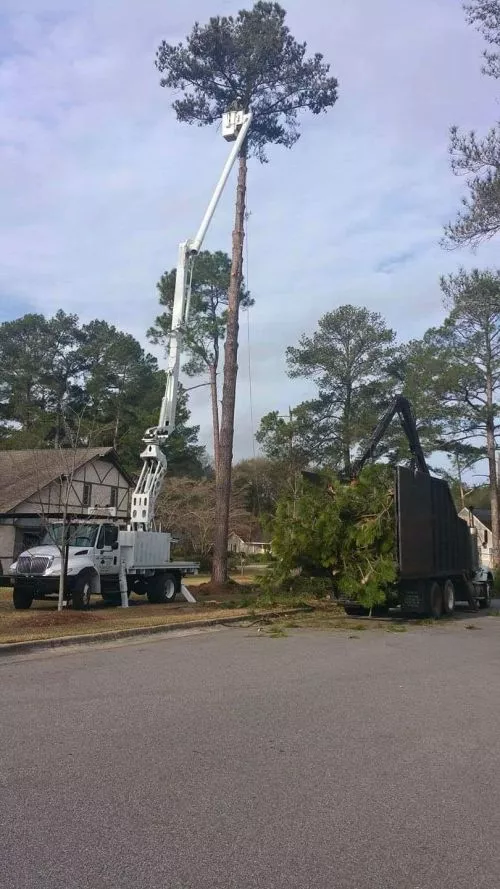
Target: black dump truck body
{"type": "Point", "coordinates": [432, 540]}
{"type": "Point", "coordinates": [433, 544]}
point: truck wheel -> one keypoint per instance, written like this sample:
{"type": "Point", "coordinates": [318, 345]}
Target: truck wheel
{"type": "Point", "coordinates": [22, 597]}
{"type": "Point", "coordinates": [140, 587]}
{"type": "Point", "coordinates": [485, 602]}
{"type": "Point", "coordinates": [434, 600]}
{"type": "Point", "coordinates": [82, 591]}
{"type": "Point", "coordinates": [354, 610]}
{"type": "Point", "coordinates": [114, 598]}
{"type": "Point", "coordinates": [448, 598]}
{"type": "Point", "coordinates": [162, 588]}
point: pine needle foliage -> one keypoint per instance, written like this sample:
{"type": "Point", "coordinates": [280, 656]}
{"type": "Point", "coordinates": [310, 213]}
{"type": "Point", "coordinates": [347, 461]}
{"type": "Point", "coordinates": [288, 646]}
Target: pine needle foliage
{"type": "Point", "coordinates": [341, 532]}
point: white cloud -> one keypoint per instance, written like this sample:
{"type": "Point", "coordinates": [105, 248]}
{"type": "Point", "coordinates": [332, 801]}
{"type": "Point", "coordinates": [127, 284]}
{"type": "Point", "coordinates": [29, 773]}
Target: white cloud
{"type": "Point", "coordinates": [99, 182]}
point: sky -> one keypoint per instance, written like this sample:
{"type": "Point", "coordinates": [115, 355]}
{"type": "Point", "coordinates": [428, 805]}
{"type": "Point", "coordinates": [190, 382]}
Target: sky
{"type": "Point", "coordinates": [100, 183]}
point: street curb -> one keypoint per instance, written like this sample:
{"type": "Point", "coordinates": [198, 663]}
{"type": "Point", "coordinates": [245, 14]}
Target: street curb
{"type": "Point", "coordinates": [8, 648]}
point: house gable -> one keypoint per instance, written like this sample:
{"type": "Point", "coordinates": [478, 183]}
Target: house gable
{"type": "Point", "coordinates": [98, 484]}
{"type": "Point", "coordinates": [50, 480]}
{"type": "Point", "coordinates": [36, 480]}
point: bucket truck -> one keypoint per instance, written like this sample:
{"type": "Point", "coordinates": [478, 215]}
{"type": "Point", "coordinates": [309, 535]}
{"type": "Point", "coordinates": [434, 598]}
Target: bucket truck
{"type": "Point", "coordinates": [102, 558]}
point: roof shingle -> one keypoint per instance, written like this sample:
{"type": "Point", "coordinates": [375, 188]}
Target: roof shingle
{"type": "Point", "coordinates": [22, 473]}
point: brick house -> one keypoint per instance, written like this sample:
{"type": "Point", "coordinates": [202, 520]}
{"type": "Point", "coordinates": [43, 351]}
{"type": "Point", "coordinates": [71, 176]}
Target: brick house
{"type": "Point", "coordinates": [36, 485]}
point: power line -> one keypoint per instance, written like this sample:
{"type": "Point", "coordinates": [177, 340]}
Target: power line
{"type": "Point", "coordinates": [249, 352]}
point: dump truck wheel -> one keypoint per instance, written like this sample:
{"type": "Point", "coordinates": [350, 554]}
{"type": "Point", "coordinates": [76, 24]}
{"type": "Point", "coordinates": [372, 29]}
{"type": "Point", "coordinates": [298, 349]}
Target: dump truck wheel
{"type": "Point", "coordinates": [22, 597]}
{"type": "Point", "coordinates": [162, 588]}
{"type": "Point", "coordinates": [486, 601]}
{"type": "Point", "coordinates": [434, 600]}
{"type": "Point", "coordinates": [448, 598]}
{"type": "Point", "coordinates": [354, 610]}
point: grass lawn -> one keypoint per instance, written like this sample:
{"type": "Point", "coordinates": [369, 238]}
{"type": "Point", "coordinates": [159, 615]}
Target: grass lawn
{"type": "Point", "coordinates": [240, 598]}
{"type": "Point", "coordinates": [43, 621]}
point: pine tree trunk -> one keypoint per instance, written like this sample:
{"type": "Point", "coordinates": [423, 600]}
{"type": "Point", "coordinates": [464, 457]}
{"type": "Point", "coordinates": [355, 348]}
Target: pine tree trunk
{"type": "Point", "coordinates": [57, 436]}
{"type": "Point", "coordinates": [116, 431]}
{"type": "Point", "coordinates": [226, 436]}
{"type": "Point", "coordinates": [492, 468]}
{"type": "Point", "coordinates": [215, 413]}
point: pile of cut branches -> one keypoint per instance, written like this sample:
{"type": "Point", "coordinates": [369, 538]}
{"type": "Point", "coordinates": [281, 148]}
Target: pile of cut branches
{"type": "Point", "coordinates": [343, 533]}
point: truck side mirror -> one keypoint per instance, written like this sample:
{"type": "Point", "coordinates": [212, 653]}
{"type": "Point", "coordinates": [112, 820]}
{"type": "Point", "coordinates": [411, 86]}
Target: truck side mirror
{"type": "Point", "coordinates": [114, 545]}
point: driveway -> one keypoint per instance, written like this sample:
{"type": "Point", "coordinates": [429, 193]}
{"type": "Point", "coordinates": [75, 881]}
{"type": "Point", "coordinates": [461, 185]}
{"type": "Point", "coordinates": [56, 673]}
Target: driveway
{"type": "Point", "coordinates": [234, 760]}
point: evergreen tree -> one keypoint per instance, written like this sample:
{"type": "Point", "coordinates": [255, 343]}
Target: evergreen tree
{"type": "Point", "coordinates": [250, 61]}
{"type": "Point", "coordinates": [461, 372]}
{"type": "Point", "coordinates": [343, 533]}
{"type": "Point", "coordinates": [478, 159]}
{"type": "Point", "coordinates": [62, 385]}
{"type": "Point", "coordinates": [350, 359]}
{"type": "Point", "coordinates": [40, 379]}
{"type": "Point", "coordinates": [203, 336]}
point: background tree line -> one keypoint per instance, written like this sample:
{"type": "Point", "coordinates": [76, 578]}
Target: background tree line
{"type": "Point", "coordinates": [58, 376]}
{"type": "Point", "coordinates": [64, 384]}
{"type": "Point", "coordinates": [353, 360]}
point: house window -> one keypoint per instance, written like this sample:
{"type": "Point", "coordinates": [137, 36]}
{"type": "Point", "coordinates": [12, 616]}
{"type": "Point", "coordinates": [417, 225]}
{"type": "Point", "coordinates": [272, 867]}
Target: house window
{"type": "Point", "coordinates": [87, 494]}
{"type": "Point", "coordinates": [113, 497]}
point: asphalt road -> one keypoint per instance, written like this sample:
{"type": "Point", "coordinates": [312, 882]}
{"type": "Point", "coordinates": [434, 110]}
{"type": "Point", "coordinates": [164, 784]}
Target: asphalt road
{"type": "Point", "coordinates": [229, 759]}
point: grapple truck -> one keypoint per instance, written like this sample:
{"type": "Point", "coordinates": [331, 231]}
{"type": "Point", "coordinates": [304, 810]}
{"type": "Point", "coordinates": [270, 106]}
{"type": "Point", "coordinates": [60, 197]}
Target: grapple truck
{"type": "Point", "coordinates": [100, 556]}
{"type": "Point", "coordinates": [435, 550]}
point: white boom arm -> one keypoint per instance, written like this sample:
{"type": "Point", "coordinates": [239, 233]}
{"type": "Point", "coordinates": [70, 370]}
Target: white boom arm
{"type": "Point", "coordinates": [235, 126]}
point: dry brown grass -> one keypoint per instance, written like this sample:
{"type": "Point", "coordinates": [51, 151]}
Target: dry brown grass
{"type": "Point", "coordinates": [43, 621]}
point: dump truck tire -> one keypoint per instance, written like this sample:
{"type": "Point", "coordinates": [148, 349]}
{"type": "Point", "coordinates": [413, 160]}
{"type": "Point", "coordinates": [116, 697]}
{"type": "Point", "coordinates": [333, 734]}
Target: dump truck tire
{"type": "Point", "coordinates": [448, 598]}
{"type": "Point", "coordinates": [434, 600]}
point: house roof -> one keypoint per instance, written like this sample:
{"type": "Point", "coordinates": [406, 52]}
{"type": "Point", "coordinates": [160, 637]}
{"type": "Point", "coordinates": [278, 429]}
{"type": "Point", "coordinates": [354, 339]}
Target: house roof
{"type": "Point", "coordinates": [482, 515]}
{"type": "Point", "coordinates": [22, 473]}
{"type": "Point", "coordinates": [256, 538]}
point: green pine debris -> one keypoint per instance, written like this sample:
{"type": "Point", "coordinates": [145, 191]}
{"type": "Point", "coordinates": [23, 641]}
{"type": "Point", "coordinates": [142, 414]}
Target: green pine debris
{"type": "Point", "coordinates": [342, 535]}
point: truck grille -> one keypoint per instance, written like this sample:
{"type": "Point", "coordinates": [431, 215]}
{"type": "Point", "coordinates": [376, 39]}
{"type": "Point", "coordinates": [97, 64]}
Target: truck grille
{"type": "Point", "coordinates": [32, 564]}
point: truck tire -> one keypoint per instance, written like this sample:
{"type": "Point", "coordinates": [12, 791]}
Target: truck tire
{"type": "Point", "coordinates": [22, 597]}
{"type": "Point", "coordinates": [448, 598]}
{"type": "Point", "coordinates": [162, 588]}
{"type": "Point", "coordinates": [114, 597]}
{"type": "Point", "coordinates": [354, 610]}
{"type": "Point", "coordinates": [140, 587]}
{"type": "Point", "coordinates": [434, 600]}
{"type": "Point", "coordinates": [82, 591]}
{"type": "Point", "coordinates": [485, 601]}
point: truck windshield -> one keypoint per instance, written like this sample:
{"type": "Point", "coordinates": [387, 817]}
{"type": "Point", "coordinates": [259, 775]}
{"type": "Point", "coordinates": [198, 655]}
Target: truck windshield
{"type": "Point", "coordinates": [79, 535]}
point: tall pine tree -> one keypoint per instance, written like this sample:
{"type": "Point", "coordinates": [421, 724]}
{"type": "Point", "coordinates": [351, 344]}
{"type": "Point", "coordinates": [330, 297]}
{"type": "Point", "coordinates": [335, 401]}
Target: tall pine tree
{"type": "Point", "coordinates": [253, 62]}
